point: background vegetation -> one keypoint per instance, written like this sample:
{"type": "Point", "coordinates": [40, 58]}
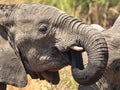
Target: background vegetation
{"type": "Point", "coordinates": [103, 12]}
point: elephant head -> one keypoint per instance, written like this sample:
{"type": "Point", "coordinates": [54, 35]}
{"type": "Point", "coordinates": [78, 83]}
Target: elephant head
{"type": "Point", "coordinates": [38, 38]}
{"type": "Point", "coordinates": [112, 74]}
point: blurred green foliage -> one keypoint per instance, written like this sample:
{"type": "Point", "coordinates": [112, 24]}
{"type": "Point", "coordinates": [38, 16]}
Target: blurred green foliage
{"type": "Point", "coordinates": [103, 12]}
{"type": "Point", "coordinates": [67, 5]}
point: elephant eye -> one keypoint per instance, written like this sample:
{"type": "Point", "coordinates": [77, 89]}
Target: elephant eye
{"type": "Point", "coordinates": [43, 28]}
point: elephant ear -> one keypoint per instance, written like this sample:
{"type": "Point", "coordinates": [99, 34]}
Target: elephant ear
{"type": "Point", "coordinates": [12, 70]}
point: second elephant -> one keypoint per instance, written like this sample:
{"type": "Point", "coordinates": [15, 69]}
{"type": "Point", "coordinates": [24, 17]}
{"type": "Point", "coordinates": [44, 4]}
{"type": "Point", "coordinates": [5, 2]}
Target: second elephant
{"type": "Point", "coordinates": [111, 77]}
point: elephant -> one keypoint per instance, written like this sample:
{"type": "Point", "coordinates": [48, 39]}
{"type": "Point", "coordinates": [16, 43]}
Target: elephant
{"type": "Point", "coordinates": [98, 27]}
{"type": "Point", "coordinates": [111, 78]}
{"type": "Point", "coordinates": [39, 40]}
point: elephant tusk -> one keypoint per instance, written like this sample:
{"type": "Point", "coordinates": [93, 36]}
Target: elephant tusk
{"type": "Point", "coordinates": [76, 48]}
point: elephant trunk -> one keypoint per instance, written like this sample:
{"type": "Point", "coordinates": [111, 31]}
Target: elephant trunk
{"type": "Point", "coordinates": [96, 47]}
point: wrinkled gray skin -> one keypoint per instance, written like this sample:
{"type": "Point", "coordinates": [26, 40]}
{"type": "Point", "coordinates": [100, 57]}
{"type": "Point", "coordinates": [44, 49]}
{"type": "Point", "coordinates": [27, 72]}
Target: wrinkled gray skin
{"type": "Point", "coordinates": [111, 77]}
{"type": "Point", "coordinates": [36, 39]}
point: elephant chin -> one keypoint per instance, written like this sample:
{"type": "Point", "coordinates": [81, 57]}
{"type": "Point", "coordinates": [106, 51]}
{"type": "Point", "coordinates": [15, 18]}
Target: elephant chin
{"type": "Point", "coordinates": [51, 77]}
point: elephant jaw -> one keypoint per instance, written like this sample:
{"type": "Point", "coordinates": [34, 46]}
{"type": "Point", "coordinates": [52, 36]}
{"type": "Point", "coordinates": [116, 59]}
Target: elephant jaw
{"type": "Point", "coordinates": [51, 77]}
{"type": "Point", "coordinates": [61, 60]}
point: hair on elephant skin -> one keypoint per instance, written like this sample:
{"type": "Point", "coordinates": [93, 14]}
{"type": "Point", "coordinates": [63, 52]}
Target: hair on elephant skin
{"type": "Point", "coordinates": [111, 77]}
{"type": "Point", "coordinates": [39, 40]}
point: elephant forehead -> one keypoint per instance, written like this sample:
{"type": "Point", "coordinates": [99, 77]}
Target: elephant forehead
{"type": "Point", "coordinates": [34, 12]}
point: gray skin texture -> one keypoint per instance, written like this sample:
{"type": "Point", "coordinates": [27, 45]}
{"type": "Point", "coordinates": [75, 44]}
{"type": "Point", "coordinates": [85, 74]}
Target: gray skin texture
{"type": "Point", "coordinates": [35, 39]}
{"type": "Point", "coordinates": [111, 77]}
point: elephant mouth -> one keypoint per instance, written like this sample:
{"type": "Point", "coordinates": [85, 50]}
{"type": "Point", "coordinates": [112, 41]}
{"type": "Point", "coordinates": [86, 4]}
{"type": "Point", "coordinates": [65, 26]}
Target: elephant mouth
{"type": "Point", "coordinates": [52, 61]}
{"type": "Point", "coordinates": [63, 59]}
{"type": "Point", "coordinates": [52, 75]}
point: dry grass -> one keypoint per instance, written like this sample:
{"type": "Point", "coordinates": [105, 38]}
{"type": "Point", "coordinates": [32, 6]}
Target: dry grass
{"type": "Point", "coordinates": [66, 83]}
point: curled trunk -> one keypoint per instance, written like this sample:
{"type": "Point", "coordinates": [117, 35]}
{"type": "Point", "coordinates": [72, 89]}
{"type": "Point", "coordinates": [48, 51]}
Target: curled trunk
{"type": "Point", "coordinates": [94, 44]}
{"type": "Point", "coordinates": [96, 48]}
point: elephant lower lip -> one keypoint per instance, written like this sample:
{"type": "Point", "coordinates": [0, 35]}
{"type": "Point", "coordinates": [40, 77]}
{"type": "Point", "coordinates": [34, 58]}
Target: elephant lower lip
{"type": "Point", "coordinates": [52, 77]}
